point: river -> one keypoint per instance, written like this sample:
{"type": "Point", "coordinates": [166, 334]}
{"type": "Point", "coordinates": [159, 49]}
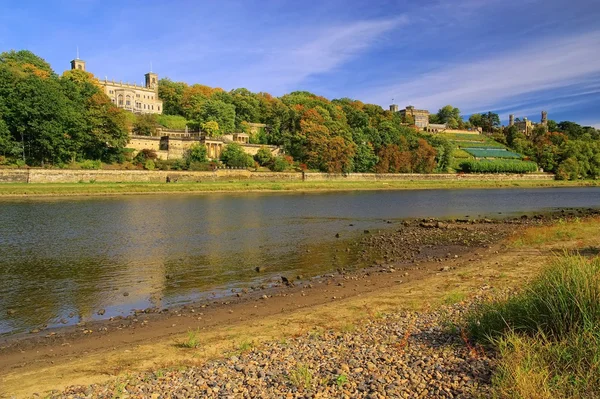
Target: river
{"type": "Point", "coordinates": [64, 259]}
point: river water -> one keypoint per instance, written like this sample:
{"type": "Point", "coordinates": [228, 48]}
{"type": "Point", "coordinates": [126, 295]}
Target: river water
{"type": "Point", "coordinates": [62, 260]}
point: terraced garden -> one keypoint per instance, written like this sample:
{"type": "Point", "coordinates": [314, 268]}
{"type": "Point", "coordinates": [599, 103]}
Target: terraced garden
{"type": "Point", "coordinates": [476, 153]}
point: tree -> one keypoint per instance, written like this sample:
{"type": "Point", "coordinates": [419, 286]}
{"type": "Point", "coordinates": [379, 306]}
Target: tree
{"type": "Point", "coordinates": [217, 111]}
{"type": "Point", "coordinates": [196, 153]}
{"type": "Point", "coordinates": [263, 156]}
{"type": "Point", "coordinates": [145, 125]}
{"type": "Point", "coordinates": [423, 160]}
{"type": "Point", "coordinates": [233, 155]}
{"type": "Point", "coordinates": [171, 94]}
{"type": "Point", "coordinates": [448, 114]}
{"type": "Point", "coordinates": [490, 121]}
{"type": "Point", "coordinates": [211, 128]}
{"type": "Point", "coordinates": [476, 120]}
{"type": "Point", "coordinates": [365, 158]}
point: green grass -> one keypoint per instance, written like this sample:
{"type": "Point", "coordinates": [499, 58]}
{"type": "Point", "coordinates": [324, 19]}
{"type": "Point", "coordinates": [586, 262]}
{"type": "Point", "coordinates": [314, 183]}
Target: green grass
{"type": "Point", "coordinates": [98, 188]}
{"type": "Point", "coordinates": [301, 377]}
{"type": "Point", "coordinates": [548, 336]}
{"type": "Point", "coordinates": [192, 341]}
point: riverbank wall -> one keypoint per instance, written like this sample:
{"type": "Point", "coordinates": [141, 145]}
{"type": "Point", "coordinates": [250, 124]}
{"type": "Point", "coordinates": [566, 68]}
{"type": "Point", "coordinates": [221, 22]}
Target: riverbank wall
{"type": "Point", "coordinates": [145, 176]}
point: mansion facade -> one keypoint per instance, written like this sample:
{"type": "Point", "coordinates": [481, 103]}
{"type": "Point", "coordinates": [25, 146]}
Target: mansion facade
{"type": "Point", "coordinates": [130, 96]}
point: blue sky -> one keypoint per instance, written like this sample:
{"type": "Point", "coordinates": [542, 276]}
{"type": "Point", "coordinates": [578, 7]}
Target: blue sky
{"type": "Point", "coordinates": [507, 56]}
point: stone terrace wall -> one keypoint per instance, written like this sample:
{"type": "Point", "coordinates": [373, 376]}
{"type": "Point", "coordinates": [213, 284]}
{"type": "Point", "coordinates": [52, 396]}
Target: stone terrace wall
{"type": "Point", "coordinates": [141, 176]}
{"type": "Point", "coordinates": [423, 177]}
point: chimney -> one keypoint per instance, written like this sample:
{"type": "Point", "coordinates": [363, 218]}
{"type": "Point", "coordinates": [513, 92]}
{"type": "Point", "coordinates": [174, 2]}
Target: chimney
{"type": "Point", "coordinates": [511, 120]}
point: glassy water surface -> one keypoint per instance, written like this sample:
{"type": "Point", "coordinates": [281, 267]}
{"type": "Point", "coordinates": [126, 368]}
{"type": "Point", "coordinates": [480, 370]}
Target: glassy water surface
{"type": "Point", "coordinates": [61, 260]}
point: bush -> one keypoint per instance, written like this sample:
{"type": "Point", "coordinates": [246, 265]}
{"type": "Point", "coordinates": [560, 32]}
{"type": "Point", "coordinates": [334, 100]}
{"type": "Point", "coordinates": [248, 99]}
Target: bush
{"type": "Point", "coordinates": [280, 164]}
{"type": "Point", "coordinates": [196, 153]}
{"type": "Point", "coordinates": [497, 166]}
{"type": "Point", "coordinates": [263, 156]}
{"type": "Point", "coordinates": [89, 164]}
{"type": "Point", "coordinates": [145, 125]}
{"type": "Point", "coordinates": [149, 165]}
{"type": "Point", "coordinates": [234, 156]}
{"type": "Point", "coordinates": [547, 335]}
{"type": "Point", "coordinates": [568, 170]}
{"type": "Point", "coordinates": [144, 155]}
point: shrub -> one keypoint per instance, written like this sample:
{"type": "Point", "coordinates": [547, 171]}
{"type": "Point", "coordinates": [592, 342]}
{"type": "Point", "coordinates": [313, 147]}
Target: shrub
{"type": "Point", "coordinates": [196, 153]}
{"type": "Point", "coordinates": [144, 155]}
{"type": "Point", "coordinates": [279, 164]}
{"type": "Point", "coordinates": [568, 169]}
{"type": "Point", "coordinates": [145, 125]}
{"type": "Point", "coordinates": [89, 164]}
{"type": "Point", "coordinates": [149, 165]}
{"type": "Point", "coordinates": [263, 156]}
{"type": "Point", "coordinates": [497, 166]}
{"type": "Point", "coordinates": [234, 156]}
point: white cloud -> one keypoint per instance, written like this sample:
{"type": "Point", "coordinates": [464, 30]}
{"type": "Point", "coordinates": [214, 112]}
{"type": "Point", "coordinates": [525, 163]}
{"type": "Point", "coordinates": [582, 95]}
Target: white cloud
{"type": "Point", "coordinates": [479, 85]}
{"type": "Point", "coordinates": [296, 58]}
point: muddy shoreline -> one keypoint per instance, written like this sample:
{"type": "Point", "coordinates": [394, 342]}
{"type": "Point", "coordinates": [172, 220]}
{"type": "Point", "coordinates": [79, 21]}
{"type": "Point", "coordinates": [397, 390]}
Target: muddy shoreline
{"type": "Point", "coordinates": [408, 250]}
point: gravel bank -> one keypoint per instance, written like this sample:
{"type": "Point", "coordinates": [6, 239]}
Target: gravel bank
{"type": "Point", "coordinates": [405, 355]}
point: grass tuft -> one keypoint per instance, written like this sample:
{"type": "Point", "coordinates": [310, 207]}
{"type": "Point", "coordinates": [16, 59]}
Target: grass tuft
{"type": "Point", "coordinates": [548, 336]}
{"type": "Point", "coordinates": [301, 377]}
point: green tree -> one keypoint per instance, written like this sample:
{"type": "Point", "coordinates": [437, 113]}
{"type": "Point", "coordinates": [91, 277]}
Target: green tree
{"type": "Point", "coordinates": [196, 153]}
{"type": "Point", "coordinates": [448, 114]}
{"type": "Point", "coordinates": [217, 111]}
{"type": "Point", "coordinates": [145, 125]}
{"type": "Point", "coordinates": [490, 121]}
{"type": "Point", "coordinates": [233, 155]}
{"type": "Point", "coordinates": [263, 156]}
{"type": "Point", "coordinates": [365, 158]}
{"type": "Point", "coordinates": [171, 94]}
{"type": "Point", "coordinates": [211, 128]}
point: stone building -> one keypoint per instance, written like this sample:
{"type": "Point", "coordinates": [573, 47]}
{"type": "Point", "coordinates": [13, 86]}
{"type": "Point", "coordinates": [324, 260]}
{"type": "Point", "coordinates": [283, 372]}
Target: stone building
{"type": "Point", "coordinates": [526, 126]}
{"type": "Point", "coordinates": [419, 116]}
{"type": "Point", "coordinates": [173, 144]}
{"type": "Point", "coordinates": [130, 96]}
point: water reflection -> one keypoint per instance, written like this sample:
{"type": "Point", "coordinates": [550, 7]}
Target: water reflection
{"type": "Point", "coordinates": [63, 260]}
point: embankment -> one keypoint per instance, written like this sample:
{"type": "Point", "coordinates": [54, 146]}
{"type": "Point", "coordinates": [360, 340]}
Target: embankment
{"type": "Point", "coordinates": [33, 175]}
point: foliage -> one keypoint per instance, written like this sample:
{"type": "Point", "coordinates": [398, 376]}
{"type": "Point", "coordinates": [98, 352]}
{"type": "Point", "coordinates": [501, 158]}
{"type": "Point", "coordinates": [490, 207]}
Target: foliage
{"type": "Point", "coordinates": [174, 122]}
{"type": "Point", "coordinates": [568, 170]}
{"type": "Point", "coordinates": [196, 153]}
{"type": "Point", "coordinates": [569, 150]}
{"type": "Point", "coordinates": [211, 128]}
{"type": "Point", "coordinates": [263, 156]}
{"type": "Point", "coordinates": [145, 125]}
{"type": "Point", "coordinates": [149, 164]}
{"type": "Point", "coordinates": [53, 119]}
{"type": "Point", "coordinates": [548, 334]}
{"type": "Point", "coordinates": [280, 164]}
{"type": "Point", "coordinates": [89, 164]}
{"type": "Point", "coordinates": [233, 155]}
{"type": "Point", "coordinates": [144, 155]}
{"type": "Point", "coordinates": [497, 166]}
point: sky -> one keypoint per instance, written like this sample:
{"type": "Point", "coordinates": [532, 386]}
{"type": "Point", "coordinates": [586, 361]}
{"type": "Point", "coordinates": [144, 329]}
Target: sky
{"type": "Point", "coordinates": [504, 56]}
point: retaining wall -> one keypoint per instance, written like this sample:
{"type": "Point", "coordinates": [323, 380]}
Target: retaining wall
{"type": "Point", "coordinates": [130, 176]}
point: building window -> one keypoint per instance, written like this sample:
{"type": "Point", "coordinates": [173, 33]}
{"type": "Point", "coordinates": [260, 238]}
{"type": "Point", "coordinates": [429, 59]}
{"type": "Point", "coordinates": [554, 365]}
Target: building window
{"type": "Point", "coordinates": [137, 95]}
{"type": "Point", "coordinates": [153, 108]}
{"type": "Point", "coordinates": [158, 107]}
{"type": "Point", "coordinates": [144, 106]}
{"type": "Point", "coordinates": [78, 66]}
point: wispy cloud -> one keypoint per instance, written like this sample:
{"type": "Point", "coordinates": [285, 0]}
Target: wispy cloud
{"type": "Point", "coordinates": [479, 85]}
{"type": "Point", "coordinates": [295, 58]}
